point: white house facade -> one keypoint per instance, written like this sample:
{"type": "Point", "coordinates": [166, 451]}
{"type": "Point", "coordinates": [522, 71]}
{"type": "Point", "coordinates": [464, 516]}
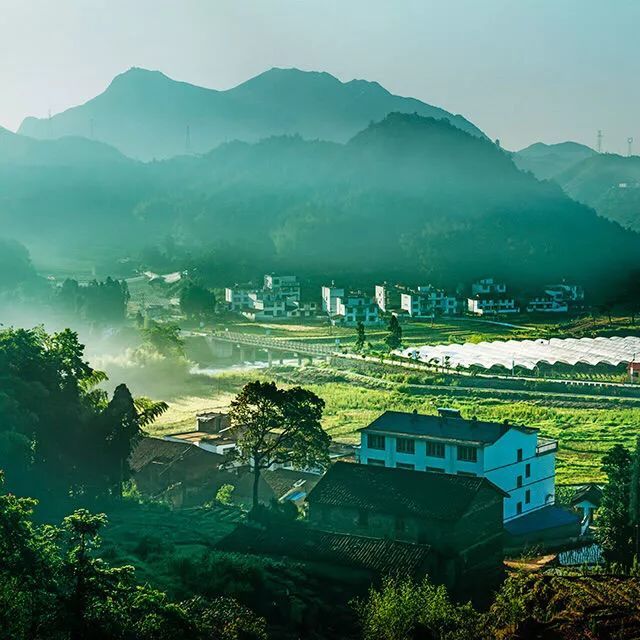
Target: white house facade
{"type": "Point", "coordinates": [515, 458]}
{"type": "Point", "coordinates": [330, 296]}
{"type": "Point", "coordinates": [354, 308]}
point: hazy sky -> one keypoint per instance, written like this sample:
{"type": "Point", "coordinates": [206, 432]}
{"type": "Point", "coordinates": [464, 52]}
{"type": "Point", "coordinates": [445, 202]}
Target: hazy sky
{"type": "Point", "coordinates": [522, 70]}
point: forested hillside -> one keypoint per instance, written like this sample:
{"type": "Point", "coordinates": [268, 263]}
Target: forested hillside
{"type": "Point", "coordinates": [410, 197]}
{"type": "Point", "coordinates": [610, 184]}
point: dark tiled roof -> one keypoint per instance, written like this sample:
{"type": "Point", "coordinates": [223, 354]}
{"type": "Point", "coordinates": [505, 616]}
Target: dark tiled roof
{"type": "Point", "coordinates": [590, 492]}
{"type": "Point", "coordinates": [311, 545]}
{"type": "Point", "coordinates": [150, 450]}
{"type": "Point", "coordinates": [399, 491]}
{"type": "Point", "coordinates": [283, 480]}
{"type": "Point", "coordinates": [416, 424]}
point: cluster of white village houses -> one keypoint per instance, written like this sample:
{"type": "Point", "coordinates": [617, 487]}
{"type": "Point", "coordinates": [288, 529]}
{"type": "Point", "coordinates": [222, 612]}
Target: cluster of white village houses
{"type": "Point", "coordinates": [280, 298]}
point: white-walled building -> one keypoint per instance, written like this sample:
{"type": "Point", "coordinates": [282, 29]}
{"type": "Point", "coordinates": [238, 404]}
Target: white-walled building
{"type": "Point", "coordinates": [356, 307]}
{"type": "Point", "coordinates": [514, 458]}
{"type": "Point", "coordinates": [427, 301]}
{"type": "Point", "coordinates": [565, 292]}
{"type": "Point", "coordinates": [330, 296]}
{"type": "Point", "coordinates": [492, 304]}
{"type": "Point", "coordinates": [238, 296]}
{"type": "Point", "coordinates": [487, 286]}
{"type": "Point", "coordinates": [285, 286]}
{"type": "Point", "coordinates": [388, 297]}
{"type": "Point", "coordinates": [547, 304]}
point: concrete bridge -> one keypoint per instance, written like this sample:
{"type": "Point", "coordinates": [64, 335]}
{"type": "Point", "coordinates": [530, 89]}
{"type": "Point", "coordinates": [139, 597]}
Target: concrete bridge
{"type": "Point", "coordinates": [275, 348]}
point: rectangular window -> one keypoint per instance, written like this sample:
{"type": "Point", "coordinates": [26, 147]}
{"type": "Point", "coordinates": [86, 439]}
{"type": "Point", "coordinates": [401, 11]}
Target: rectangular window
{"type": "Point", "coordinates": [375, 441]}
{"type": "Point", "coordinates": [405, 445]}
{"type": "Point", "coordinates": [527, 496]}
{"type": "Point", "coordinates": [435, 469]}
{"type": "Point", "coordinates": [467, 473]}
{"type": "Point", "coordinates": [375, 463]}
{"type": "Point", "coordinates": [435, 449]}
{"type": "Point", "coordinates": [527, 471]}
{"type": "Point", "coordinates": [519, 482]}
{"type": "Point", "coordinates": [519, 455]}
{"type": "Point", "coordinates": [468, 454]}
{"type": "Point", "coordinates": [404, 465]}
{"type": "Point", "coordinates": [519, 508]}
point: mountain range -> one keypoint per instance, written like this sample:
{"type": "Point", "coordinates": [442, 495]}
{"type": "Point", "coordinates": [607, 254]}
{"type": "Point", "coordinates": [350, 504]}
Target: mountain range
{"type": "Point", "coordinates": [147, 115]}
{"type": "Point", "coordinates": [548, 160]}
{"type": "Point", "coordinates": [408, 197]}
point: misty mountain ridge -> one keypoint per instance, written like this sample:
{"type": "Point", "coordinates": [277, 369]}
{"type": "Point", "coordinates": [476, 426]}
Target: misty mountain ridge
{"type": "Point", "coordinates": [409, 197]}
{"type": "Point", "coordinates": [19, 150]}
{"type": "Point", "coordinates": [546, 161]}
{"type": "Point", "coordinates": [146, 115]}
{"type": "Point", "coordinates": [609, 183]}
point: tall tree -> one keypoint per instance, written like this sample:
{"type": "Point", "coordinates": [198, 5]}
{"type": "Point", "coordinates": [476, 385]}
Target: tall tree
{"type": "Point", "coordinates": [394, 337]}
{"type": "Point", "coordinates": [634, 499]}
{"type": "Point", "coordinates": [197, 301]}
{"type": "Point", "coordinates": [59, 432]}
{"type": "Point", "coordinates": [614, 529]}
{"type": "Point", "coordinates": [360, 337]}
{"type": "Point", "coordinates": [278, 426]}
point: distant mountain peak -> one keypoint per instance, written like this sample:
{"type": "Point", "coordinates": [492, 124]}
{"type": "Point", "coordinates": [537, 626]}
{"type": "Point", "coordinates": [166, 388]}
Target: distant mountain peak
{"type": "Point", "coordinates": [145, 114]}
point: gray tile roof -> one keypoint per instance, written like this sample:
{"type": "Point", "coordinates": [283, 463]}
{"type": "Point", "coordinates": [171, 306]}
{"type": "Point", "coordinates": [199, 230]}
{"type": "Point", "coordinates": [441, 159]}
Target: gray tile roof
{"type": "Point", "coordinates": [398, 491]}
{"type": "Point", "coordinates": [432, 426]}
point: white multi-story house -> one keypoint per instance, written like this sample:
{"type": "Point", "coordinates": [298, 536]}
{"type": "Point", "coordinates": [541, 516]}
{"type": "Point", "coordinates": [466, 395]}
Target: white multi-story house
{"type": "Point", "coordinates": [238, 297]}
{"type": "Point", "coordinates": [547, 304]}
{"type": "Point", "coordinates": [265, 306]}
{"type": "Point", "coordinates": [493, 305]}
{"type": "Point", "coordinates": [388, 297]}
{"type": "Point", "coordinates": [427, 301]}
{"type": "Point", "coordinates": [285, 286]}
{"type": "Point", "coordinates": [330, 296]}
{"type": "Point", "coordinates": [565, 292]}
{"type": "Point", "coordinates": [356, 307]}
{"type": "Point", "coordinates": [487, 286]}
{"type": "Point", "coordinates": [515, 458]}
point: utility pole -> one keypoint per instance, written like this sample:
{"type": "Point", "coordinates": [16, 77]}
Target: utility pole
{"type": "Point", "coordinates": [600, 136]}
{"type": "Point", "coordinates": [629, 146]}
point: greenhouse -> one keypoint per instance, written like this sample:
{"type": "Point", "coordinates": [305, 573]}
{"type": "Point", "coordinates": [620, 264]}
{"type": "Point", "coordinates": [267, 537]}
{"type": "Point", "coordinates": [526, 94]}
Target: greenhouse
{"type": "Point", "coordinates": [530, 353]}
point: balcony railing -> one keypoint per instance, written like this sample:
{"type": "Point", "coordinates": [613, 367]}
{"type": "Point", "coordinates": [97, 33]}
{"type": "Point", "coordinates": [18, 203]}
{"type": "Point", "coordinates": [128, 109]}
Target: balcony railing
{"type": "Point", "coordinates": [546, 445]}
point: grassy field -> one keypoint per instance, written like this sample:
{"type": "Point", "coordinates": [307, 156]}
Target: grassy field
{"type": "Point", "coordinates": [585, 426]}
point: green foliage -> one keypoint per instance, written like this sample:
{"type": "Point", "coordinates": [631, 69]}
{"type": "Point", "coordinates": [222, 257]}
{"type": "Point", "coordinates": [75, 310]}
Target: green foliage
{"type": "Point", "coordinates": [224, 495]}
{"type": "Point", "coordinates": [277, 426]}
{"type": "Point", "coordinates": [99, 302]}
{"type": "Point", "coordinates": [165, 339]}
{"type": "Point", "coordinates": [53, 587]}
{"type": "Point", "coordinates": [15, 264]}
{"type": "Point", "coordinates": [615, 533]}
{"type": "Point", "coordinates": [58, 433]}
{"type": "Point", "coordinates": [360, 337]}
{"type": "Point", "coordinates": [197, 301]}
{"type": "Point", "coordinates": [394, 338]}
{"type": "Point", "coordinates": [403, 610]}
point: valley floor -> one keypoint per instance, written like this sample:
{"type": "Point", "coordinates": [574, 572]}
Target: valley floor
{"type": "Point", "coordinates": [586, 426]}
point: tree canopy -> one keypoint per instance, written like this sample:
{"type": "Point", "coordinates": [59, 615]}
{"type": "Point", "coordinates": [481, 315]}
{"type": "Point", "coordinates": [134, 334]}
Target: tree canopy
{"type": "Point", "coordinates": [278, 426]}
{"type": "Point", "coordinates": [60, 432]}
